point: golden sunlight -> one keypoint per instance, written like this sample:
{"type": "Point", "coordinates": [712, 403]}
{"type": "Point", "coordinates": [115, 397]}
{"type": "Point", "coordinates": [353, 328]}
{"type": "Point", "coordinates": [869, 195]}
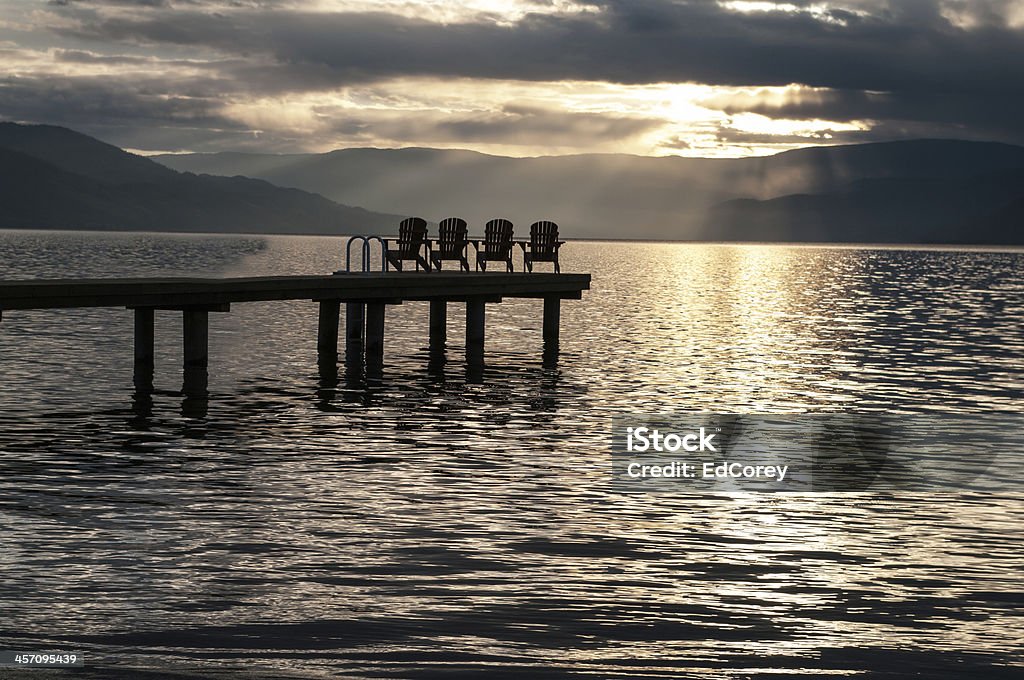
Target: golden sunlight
{"type": "Point", "coordinates": [552, 117]}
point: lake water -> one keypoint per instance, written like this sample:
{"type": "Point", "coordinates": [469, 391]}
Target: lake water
{"type": "Point", "coordinates": [435, 525]}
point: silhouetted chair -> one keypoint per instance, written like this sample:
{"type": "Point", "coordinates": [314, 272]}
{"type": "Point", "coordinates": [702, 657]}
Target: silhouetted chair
{"type": "Point", "coordinates": [543, 245]}
{"type": "Point", "coordinates": [451, 243]}
{"type": "Point", "coordinates": [410, 245]}
{"type": "Point", "coordinates": [497, 244]}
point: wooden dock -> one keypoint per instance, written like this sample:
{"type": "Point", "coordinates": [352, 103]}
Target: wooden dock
{"type": "Point", "coordinates": [366, 297]}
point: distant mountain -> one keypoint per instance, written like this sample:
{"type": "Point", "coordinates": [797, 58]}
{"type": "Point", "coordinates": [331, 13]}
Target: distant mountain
{"type": "Point", "coordinates": [832, 168]}
{"type": "Point", "coordinates": [995, 227]}
{"type": "Point", "coordinates": [938, 191]}
{"type": "Point", "coordinates": [80, 154]}
{"type": "Point", "coordinates": [829, 191]}
{"type": "Point", "coordinates": [52, 177]}
{"type": "Point", "coordinates": [884, 210]}
{"type": "Point", "coordinates": [601, 195]}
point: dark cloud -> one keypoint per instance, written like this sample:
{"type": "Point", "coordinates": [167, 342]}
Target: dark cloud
{"type": "Point", "coordinates": [151, 113]}
{"type": "Point", "coordinates": [138, 3]}
{"type": "Point", "coordinates": [86, 57]}
{"type": "Point", "coordinates": [950, 67]}
{"type": "Point", "coordinates": [938, 113]}
{"type": "Point", "coordinates": [77, 101]}
{"type": "Point", "coordinates": [630, 41]}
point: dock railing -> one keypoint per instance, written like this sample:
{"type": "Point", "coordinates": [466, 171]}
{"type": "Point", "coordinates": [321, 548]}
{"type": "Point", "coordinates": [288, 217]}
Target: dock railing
{"type": "Point", "coordinates": [366, 263]}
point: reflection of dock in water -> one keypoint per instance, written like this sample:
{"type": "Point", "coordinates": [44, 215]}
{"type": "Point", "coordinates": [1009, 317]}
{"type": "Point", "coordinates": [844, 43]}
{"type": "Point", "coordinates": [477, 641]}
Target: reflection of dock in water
{"type": "Point", "coordinates": [366, 297]}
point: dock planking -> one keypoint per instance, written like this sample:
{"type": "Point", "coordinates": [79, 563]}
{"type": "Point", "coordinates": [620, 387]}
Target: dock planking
{"type": "Point", "coordinates": [366, 287]}
{"type": "Point", "coordinates": [365, 294]}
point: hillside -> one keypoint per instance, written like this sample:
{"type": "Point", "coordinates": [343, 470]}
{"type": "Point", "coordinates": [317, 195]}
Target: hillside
{"type": "Point", "coordinates": [52, 177]}
{"type": "Point", "coordinates": [920, 191]}
{"type": "Point", "coordinates": [619, 196]}
{"type": "Point", "coordinates": [884, 210]}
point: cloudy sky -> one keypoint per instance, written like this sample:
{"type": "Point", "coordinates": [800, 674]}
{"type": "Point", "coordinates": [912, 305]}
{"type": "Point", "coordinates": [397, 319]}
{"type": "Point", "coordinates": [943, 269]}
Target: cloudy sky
{"type": "Point", "coordinates": [515, 77]}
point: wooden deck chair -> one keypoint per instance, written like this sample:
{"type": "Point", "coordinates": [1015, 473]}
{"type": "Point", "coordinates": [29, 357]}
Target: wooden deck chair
{"type": "Point", "coordinates": [543, 245]}
{"type": "Point", "coordinates": [451, 243]}
{"type": "Point", "coordinates": [410, 244]}
{"type": "Point", "coordinates": [497, 244]}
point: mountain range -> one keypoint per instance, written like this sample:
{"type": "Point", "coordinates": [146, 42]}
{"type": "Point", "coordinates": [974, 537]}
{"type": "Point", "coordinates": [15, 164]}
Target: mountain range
{"type": "Point", "coordinates": [52, 177]}
{"type": "Point", "coordinates": [922, 191]}
{"type": "Point", "coordinates": [913, 191]}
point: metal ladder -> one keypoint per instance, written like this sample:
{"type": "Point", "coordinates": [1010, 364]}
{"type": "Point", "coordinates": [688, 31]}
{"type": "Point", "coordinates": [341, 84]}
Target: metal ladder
{"type": "Point", "coordinates": [366, 254]}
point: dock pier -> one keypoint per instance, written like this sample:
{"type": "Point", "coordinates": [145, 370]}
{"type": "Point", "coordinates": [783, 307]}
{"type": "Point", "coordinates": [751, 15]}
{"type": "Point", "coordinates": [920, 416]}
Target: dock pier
{"type": "Point", "coordinates": [366, 296]}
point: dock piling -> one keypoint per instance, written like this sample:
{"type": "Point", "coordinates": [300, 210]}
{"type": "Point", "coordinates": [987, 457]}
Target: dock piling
{"type": "Point", "coordinates": [355, 329]}
{"type": "Point", "coordinates": [438, 324]}
{"type": "Point", "coordinates": [196, 335]}
{"type": "Point", "coordinates": [327, 331]}
{"type": "Point", "coordinates": [475, 316]}
{"type": "Point", "coordinates": [375, 338]}
{"type": "Point", "coordinates": [552, 319]}
{"type": "Point", "coordinates": [142, 375]}
{"type": "Point", "coordinates": [328, 322]}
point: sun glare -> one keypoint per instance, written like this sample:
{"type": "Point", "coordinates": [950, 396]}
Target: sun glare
{"type": "Point", "coordinates": [443, 11]}
{"type": "Point", "coordinates": [756, 123]}
{"type": "Point", "coordinates": [657, 120]}
{"type": "Point", "coordinates": [819, 11]}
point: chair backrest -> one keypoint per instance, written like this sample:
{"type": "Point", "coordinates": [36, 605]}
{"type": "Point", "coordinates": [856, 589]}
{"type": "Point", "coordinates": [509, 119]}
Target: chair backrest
{"type": "Point", "coordinates": [543, 237]}
{"type": "Point", "coordinates": [452, 235]}
{"type": "Point", "coordinates": [498, 237]}
{"type": "Point", "coordinates": [412, 233]}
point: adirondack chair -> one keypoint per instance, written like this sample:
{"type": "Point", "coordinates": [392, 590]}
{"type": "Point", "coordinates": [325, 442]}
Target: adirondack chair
{"type": "Point", "coordinates": [543, 245]}
{"type": "Point", "coordinates": [410, 244]}
{"type": "Point", "coordinates": [497, 244]}
{"type": "Point", "coordinates": [451, 243]}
